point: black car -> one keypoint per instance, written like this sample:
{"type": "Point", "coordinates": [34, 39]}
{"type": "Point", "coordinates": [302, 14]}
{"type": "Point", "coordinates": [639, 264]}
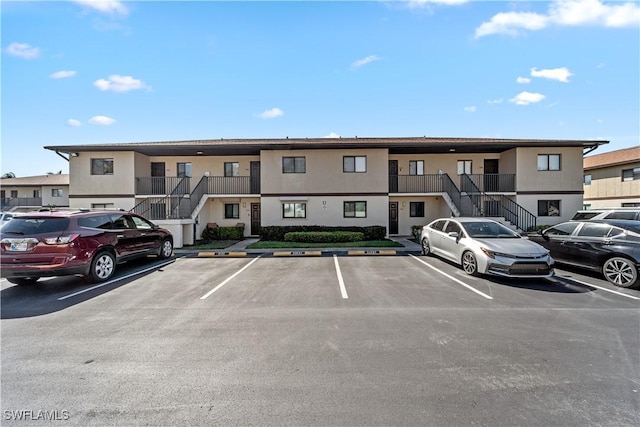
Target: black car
{"type": "Point", "coordinates": [609, 246]}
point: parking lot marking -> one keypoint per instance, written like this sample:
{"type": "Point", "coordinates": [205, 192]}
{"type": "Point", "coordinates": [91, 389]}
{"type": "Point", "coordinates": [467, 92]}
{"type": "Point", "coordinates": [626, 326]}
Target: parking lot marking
{"type": "Point", "coordinates": [453, 278]}
{"type": "Point", "coordinates": [597, 287]}
{"type": "Point", "coordinates": [343, 290]}
{"type": "Point", "coordinates": [155, 267]}
{"type": "Point", "coordinates": [205, 296]}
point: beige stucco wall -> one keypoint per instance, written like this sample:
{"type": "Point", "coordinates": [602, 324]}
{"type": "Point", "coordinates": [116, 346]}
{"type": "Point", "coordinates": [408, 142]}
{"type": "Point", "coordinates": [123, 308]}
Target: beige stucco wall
{"type": "Point", "coordinates": [200, 165]}
{"type": "Point", "coordinates": [213, 211]}
{"type": "Point", "coordinates": [448, 163]}
{"type": "Point", "coordinates": [45, 193]}
{"type": "Point", "coordinates": [81, 182]}
{"type": "Point", "coordinates": [607, 188]}
{"type": "Point", "coordinates": [48, 199]}
{"type": "Point", "coordinates": [324, 172]}
{"type": "Point", "coordinates": [569, 205]}
{"type": "Point", "coordinates": [509, 161]}
{"type": "Point", "coordinates": [126, 203]}
{"type": "Point", "coordinates": [434, 207]}
{"type": "Point", "coordinates": [327, 210]}
{"type": "Point", "coordinates": [568, 178]}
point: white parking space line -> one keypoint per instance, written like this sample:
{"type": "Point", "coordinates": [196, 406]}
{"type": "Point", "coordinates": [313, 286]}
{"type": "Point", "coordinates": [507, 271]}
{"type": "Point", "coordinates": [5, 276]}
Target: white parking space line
{"type": "Point", "coordinates": [343, 290]}
{"type": "Point", "coordinates": [208, 294]}
{"type": "Point", "coordinates": [595, 286]}
{"type": "Point", "coordinates": [453, 278]}
{"type": "Point", "coordinates": [155, 267]}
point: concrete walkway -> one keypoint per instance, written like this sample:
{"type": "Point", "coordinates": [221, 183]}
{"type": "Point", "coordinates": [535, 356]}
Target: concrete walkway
{"type": "Point", "coordinates": [241, 248]}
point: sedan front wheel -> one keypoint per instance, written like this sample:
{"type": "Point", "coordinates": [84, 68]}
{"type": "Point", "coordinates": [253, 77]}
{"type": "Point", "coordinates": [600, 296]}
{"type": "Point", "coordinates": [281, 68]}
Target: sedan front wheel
{"type": "Point", "coordinates": [621, 272]}
{"type": "Point", "coordinates": [469, 263]}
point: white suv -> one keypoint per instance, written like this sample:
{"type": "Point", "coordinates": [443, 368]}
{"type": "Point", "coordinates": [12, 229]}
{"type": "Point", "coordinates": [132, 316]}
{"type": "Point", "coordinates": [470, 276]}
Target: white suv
{"type": "Point", "coordinates": [612, 213]}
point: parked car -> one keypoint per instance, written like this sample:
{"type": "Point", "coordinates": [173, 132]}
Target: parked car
{"type": "Point", "coordinates": [5, 217]}
{"type": "Point", "coordinates": [484, 246]}
{"type": "Point", "coordinates": [609, 246]}
{"type": "Point", "coordinates": [89, 243]}
{"type": "Point", "coordinates": [612, 213]}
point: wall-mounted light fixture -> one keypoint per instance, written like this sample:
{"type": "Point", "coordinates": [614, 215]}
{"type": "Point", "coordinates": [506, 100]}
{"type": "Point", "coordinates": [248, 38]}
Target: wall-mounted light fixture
{"type": "Point", "coordinates": [74, 154]}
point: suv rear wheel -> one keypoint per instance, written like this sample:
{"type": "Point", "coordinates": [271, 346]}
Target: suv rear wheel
{"type": "Point", "coordinates": [103, 266]}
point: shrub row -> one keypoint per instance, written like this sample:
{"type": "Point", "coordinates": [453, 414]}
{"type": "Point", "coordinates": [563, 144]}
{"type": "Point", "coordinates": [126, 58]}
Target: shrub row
{"type": "Point", "coordinates": [222, 233]}
{"type": "Point", "coordinates": [323, 236]}
{"type": "Point", "coordinates": [277, 232]}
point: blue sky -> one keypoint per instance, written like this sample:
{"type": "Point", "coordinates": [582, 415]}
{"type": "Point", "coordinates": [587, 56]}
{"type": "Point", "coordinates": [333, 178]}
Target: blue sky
{"type": "Point", "coordinates": [86, 72]}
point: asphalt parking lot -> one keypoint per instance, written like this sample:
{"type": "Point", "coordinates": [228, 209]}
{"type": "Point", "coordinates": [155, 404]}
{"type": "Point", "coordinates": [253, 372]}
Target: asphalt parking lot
{"type": "Point", "coordinates": [319, 340]}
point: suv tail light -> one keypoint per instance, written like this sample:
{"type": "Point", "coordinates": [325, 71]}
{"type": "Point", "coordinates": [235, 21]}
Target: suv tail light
{"type": "Point", "coordinates": [61, 240]}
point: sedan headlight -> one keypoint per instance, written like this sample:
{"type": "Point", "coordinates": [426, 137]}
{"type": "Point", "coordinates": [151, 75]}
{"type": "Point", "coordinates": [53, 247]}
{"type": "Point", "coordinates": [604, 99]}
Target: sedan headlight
{"type": "Point", "coordinates": [487, 252]}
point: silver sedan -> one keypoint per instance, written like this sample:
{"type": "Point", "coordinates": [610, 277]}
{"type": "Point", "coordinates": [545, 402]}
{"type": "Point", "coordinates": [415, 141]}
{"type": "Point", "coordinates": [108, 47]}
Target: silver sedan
{"type": "Point", "coordinates": [484, 246]}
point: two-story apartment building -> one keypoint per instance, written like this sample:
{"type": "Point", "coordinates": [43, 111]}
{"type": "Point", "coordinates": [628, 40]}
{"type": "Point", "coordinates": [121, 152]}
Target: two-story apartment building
{"type": "Point", "coordinates": [612, 180]}
{"type": "Point", "coordinates": [31, 192]}
{"type": "Point", "coordinates": [393, 182]}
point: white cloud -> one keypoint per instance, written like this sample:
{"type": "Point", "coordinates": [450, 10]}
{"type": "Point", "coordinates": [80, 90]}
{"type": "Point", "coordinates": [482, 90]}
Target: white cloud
{"type": "Point", "coordinates": [108, 7]}
{"type": "Point", "coordinates": [364, 61]}
{"type": "Point", "coordinates": [62, 74]}
{"type": "Point", "coordinates": [101, 120]}
{"type": "Point", "coordinates": [560, 74]}
{"type": "Point", "coordinates": [470, 109]}
{"type": "Point", "coordinates": [523, 80]}
{"type": "Point", "coordinates": [494, 101]}
{"type": "Point", "coordinates": [526, 98]}
{"type": "Point", "coordinates": [120, 84]}
{"type": "Point", "coordinates": [22, 50]}
{"type": "Point", "coordinates": [271, 114]}
{"type": "Point", "coordinates": [564, 13]}
{"type": "Point", "coordinates": [332, 135]}
{"type": "Point", "coordinates": [511, 22]}
{"type": "Point", "coordinates": [74, 123]}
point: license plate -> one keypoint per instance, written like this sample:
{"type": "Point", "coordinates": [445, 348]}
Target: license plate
{"type": "Point", "coordinates": [20, 246]}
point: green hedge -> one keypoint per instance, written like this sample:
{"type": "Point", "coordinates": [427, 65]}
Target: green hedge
{"type": "Point", "coordinates": [277, 232]}
{"type": "Point", "coordinates": [222, 233]}
{"type": "Point", "coordinates": [323, 236]}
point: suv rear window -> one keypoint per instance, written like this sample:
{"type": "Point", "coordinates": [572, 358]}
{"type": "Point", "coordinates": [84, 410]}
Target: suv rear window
{"type": "Point", "coordinates": [29, 226]}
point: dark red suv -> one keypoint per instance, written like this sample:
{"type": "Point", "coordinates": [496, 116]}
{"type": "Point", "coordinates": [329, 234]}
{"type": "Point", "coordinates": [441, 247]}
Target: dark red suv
{"type": "Point", "coordinates": [89, 243]}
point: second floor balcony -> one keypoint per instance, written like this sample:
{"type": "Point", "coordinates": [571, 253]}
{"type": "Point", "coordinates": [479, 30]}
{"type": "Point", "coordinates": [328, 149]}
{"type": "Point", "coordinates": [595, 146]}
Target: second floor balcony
{"type": "Point", "coordinates": [178, 186]}
{"type": "Point", "coordinates": [433, 183]}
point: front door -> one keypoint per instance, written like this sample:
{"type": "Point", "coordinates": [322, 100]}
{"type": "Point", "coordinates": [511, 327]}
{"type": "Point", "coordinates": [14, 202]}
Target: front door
{"type": "Point", "coordinates": [157, 178]}
{"type": "Point", "coordinates": [491, 177]}
{"type": "Point", "coordinates": [254, 173]}
{"type": "Point", "coordinates": [393, 217]}
{"type": "Point", "coordinates": [393, 176]}
{"type": "Point", "coordinates": [255, 219]}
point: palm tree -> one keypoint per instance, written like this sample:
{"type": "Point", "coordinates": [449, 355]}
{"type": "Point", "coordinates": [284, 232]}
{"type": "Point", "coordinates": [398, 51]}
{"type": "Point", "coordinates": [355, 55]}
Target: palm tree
{"type": "Point", "coordinates": [8, 175]}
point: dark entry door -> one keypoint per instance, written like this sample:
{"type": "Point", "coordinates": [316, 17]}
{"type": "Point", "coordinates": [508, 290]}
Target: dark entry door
{"type": "Point", "coordinates": [393, 217]}
{"type": "Point", "coordinates": [255, 219]}
{"type": "Point", "coordinates": [491, 177]}
{"type": "Point", "coordinates": [157, 178]}
{"type": "Point", "coordinates": [393, 176]}
{"type": "Point", "coordinates": [254, 173]}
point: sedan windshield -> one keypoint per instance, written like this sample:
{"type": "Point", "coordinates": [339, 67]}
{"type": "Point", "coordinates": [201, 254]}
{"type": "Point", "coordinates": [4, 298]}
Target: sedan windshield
{"type": "Point", "coordinates": [488, 230]}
